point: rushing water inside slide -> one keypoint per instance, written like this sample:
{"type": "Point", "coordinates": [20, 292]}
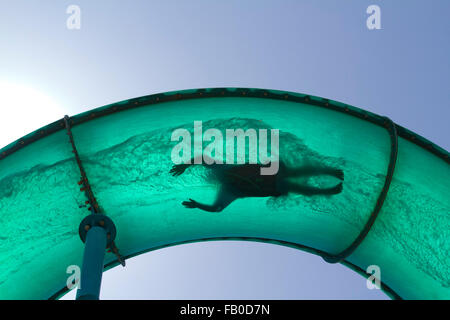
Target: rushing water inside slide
{"type": "Point", "coordinates": [127, 157]}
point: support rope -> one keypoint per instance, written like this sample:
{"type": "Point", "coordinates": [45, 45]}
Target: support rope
{"type": "Point", "coordinates": [390, 127]}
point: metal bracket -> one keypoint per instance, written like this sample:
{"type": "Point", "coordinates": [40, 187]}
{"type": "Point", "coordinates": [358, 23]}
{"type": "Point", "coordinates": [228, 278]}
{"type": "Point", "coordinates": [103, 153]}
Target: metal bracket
{"type": "Point", "coordinates": [98, 220]}
{"type": "Point", "coordinates": [95, 208]}
{"type": "Point", "coordinates": [84, 180]}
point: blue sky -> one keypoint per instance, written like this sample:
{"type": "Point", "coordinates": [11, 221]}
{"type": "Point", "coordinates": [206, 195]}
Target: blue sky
{"type": "Point", "coordinates": [135, 48]}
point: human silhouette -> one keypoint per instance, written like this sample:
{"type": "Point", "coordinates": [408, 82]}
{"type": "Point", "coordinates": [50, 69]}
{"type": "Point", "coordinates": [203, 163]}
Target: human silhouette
{"type": "Point", "coordinates": [245, 180]}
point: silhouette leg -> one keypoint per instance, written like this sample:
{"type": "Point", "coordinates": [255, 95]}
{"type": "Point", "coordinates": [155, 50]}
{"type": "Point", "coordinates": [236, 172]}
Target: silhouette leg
{"type": "Point", "coordinates": [310, 191]}
{"type": "Point", "coordinates": [314, 171]}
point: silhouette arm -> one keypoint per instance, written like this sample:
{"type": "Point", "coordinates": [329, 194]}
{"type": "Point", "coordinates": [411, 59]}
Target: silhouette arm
{"type": "Point", "coordinates": [178, 169]}
{"type": "Point", "coordinates": [224, 198]}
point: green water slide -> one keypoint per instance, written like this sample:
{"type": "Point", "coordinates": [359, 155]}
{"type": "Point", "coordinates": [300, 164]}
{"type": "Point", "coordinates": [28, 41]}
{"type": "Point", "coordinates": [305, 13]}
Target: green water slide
{"type": "Point", "coordinates": [393, 211]}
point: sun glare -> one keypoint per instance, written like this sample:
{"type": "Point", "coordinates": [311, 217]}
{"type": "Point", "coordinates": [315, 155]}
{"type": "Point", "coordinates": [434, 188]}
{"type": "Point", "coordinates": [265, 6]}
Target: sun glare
{"type": "Point", "coordinates": [24, 109]}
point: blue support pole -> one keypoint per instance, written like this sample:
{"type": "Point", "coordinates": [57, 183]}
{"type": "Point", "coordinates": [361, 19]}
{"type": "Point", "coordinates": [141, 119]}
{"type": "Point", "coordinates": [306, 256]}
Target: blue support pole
{"type": "Point", "coordinates": [92, 269]}
{"type": "Point", "coordinates": [98, 232]}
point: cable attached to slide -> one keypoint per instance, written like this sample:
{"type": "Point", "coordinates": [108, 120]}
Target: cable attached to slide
{"type": "Point", "coordinates": [391, 128]}
{"type": "Point", "coordinates": [86, 187]}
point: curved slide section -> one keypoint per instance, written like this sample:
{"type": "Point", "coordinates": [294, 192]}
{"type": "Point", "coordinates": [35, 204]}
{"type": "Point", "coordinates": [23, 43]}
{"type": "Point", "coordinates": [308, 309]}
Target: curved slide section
{"type": "Point", "coordinates": [391, 212]}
